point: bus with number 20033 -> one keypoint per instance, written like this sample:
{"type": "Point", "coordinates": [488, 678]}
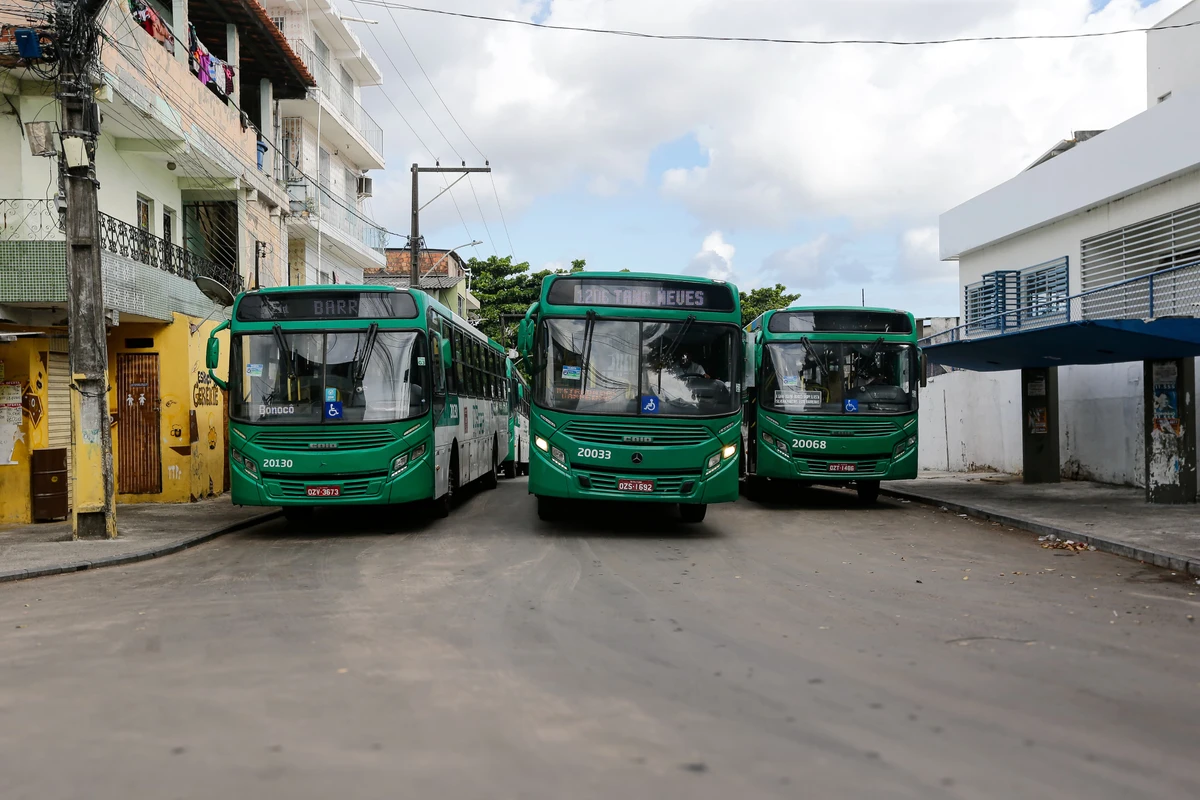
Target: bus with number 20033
{"type": "Point", "coordinates": [637, 384]}
{"type": "Point", "coordinates": [358, 395]}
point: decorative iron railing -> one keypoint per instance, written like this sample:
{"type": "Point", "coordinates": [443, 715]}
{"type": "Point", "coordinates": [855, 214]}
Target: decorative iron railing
{"type": "Point", "coordinates": [1172, 292]}
{"type": "Point", "coordinates": [132, 242]}
{"type": "Point", "coordinates": [29, 221]}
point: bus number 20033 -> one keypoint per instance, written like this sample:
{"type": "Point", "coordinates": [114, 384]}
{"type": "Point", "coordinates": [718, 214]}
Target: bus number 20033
{"type": "Point", "coordinates": [588, 452]}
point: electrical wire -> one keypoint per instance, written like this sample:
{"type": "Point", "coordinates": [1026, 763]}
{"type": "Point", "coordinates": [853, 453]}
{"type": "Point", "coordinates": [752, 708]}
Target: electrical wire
{"type": "Point", "coordinates": [772, 40]}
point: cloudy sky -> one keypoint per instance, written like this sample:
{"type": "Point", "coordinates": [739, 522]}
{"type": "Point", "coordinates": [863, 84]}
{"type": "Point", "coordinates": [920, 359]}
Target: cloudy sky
{"type": "Point", "coordinates": [823, 168]}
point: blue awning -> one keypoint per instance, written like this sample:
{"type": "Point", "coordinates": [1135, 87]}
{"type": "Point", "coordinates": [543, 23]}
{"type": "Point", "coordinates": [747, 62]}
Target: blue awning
{"type": "Point", "coordinates": [1109, 341]}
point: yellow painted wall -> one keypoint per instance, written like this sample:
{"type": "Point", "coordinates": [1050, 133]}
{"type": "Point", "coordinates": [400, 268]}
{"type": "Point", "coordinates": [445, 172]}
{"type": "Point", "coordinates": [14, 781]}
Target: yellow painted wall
{"type": "Point", "coordinates": [192, 468]}
{"type": "Point", "coordinates": [25, 360]}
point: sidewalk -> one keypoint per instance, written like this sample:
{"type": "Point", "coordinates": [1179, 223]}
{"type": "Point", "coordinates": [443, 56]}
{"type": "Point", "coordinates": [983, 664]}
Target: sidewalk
{"type": "Point", "coordinates": [143, 531]}
{"type": "Point", "coordinates": [1115, 519]}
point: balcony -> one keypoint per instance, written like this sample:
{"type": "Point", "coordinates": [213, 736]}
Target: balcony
{"type": "Point", "coordinates": [144, 275]}
{"type": "Point", "coordinates": [364, 143]}
{"type": "Point", "coordinates": [362, 242]}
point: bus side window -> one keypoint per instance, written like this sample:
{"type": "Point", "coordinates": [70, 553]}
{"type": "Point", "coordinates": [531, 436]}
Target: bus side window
{"type": "Point", "coordinates": [460, 356]}
{"type": "Point", "coordinates": [438, 369]}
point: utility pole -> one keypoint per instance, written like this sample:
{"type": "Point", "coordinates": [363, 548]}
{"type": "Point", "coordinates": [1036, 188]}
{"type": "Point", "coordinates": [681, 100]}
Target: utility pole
{"type": "Point", "coordinates": [259, 247]}
{"type": "Point", "coordinates": [94, 513]}
{"type": "Point", "coordinates": [414, 238]}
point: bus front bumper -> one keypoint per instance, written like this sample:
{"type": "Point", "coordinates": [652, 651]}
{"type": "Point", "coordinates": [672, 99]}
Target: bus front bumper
{"type": "Point", "coordinates": [546, 478]}
{"type": "Point", "coordinates": [412, 484]}
{"type": "Point", "coordinates": [822, 468]}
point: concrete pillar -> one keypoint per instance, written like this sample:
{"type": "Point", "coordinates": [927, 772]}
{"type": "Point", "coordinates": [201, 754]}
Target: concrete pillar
{"type": "Point", "coordinates": [266, 116]}
{"type": "Point", "coordinates": [1169, 393]}
{"type": "Point", "coordinates": [1039, 430]}
{"type": "Point", "coordinates": [179, 25]}
{"type": "Point", "coordinates": [233, 51]}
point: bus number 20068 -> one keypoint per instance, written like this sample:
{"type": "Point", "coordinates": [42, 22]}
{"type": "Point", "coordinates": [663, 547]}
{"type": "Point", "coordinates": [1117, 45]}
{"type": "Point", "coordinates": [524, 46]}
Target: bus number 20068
{"type": "Point", "coordinates": [810, 444]}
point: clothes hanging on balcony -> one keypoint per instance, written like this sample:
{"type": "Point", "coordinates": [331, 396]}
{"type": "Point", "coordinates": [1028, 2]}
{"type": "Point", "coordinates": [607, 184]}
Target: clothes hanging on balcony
{"type": "Point", "coordinates": [216, 79]}
{"type": "Point", "coordinates": [229, 84]}
{"type": "Point", "coordinates": [199, 59]}
{"type": "Point", "coordinates": [152, 23]}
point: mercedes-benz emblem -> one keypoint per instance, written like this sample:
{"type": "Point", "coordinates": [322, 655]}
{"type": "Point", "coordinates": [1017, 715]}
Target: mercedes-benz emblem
{"type": "Point", "coordinates": [637, 458]}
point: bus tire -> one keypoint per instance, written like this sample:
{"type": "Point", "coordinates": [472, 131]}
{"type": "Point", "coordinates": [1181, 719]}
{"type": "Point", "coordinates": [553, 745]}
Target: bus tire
{"type": "Point", "coordinates": [693, 512]}
{"type": "Point", "coordinates": [489, 480]}
{"type": "Point", "coordinates": [548, 508]}
{"type": "Point", "coordinates": [510, 469]}
{"type": "Point", "coordinates": [868, 492]}
{"type": "Point", "coordinates": [442, 506]}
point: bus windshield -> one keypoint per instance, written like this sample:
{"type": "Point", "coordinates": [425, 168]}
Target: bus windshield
{"type": "Point", "coordinates": [679, 368]}
{"type": "Point", "coordinates": [293, 378]}
{"type": "Point", "coordinates": [824, 377]}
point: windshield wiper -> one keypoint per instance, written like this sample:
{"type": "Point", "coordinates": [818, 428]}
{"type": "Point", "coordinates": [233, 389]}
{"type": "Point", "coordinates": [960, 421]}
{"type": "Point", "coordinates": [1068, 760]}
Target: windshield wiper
{"type": "Point", "coordinates": [679, 337]}
{"type": "Point", "coordinates": [360, 369]}
{"type": "Point", "coordinates": [808, 346]}
{"type": "Point", "coordinates": [589, 328]}
{"type": "Point", "coordinates": [284, 350]}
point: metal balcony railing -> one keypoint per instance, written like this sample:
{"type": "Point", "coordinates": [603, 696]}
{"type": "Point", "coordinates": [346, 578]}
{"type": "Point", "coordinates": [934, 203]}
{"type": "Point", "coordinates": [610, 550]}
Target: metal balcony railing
{"type": "Point", "coordinates": [38, 220]}
{"type": "Point", "coordinates": [1172, 292]}
{"type": "Point", "coordinates": [341, 98]}
{"type": "Point", "coordinates": [335, 212]}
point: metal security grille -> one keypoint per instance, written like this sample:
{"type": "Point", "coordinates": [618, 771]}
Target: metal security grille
{"type": "Point", "coordinates": [293, 149]}
{"type": "Point", "coordinates": [1143, 250]}
{"type": "Point", "coordinates": [139, 458]}
{"type": "Point", "coordinates": [58, 406]}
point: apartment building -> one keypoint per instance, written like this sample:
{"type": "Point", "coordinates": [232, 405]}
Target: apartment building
{"type": "Point", "coordinates": [329, 143]}
{"type": "Point", "coordinates": [188, 96]}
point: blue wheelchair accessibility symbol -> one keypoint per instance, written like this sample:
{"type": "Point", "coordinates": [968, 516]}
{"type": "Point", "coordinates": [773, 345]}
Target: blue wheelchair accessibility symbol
{"type": "Point", "coordinates": [649, 404]}
{"type": "Point", "coordinates": [333, 411]}
{"type": "Point", "coordinates": [851, 406]}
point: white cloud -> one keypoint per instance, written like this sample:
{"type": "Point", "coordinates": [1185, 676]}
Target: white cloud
{"type": "Point", "coordinates": [882, 135]}
{"type": "Point", "coordinates": [715, 259]}
{"type": "Point", "coordinates": [919, 258]}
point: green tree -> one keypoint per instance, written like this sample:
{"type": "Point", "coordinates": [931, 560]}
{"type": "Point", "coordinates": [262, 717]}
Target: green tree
{"type": "Point", "coordinates": [506, 290]}
{"type": "Point", "coordinates": [766, 298]}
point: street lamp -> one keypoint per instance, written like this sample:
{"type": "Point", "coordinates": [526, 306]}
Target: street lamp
{"type": "Point", "coordinates": [443, 258]}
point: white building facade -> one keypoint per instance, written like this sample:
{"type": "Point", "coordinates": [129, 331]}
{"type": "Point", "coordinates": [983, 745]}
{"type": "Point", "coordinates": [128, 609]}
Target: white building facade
{"type": "Point", "coordinates": [1119, 207]}
{"type": "Point", "coordinates": [328, 144]}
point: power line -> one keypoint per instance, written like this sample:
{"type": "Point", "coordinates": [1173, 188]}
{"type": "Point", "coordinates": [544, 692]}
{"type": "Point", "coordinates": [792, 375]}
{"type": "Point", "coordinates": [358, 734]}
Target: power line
{"type": "Point", "coordinates": [771, 40]}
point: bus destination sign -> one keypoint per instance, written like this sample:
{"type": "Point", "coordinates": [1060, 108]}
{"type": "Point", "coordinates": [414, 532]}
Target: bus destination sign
{"type": "Point", "coordinates": [325, 305]}
{"type": "Point", "coordinates": [641, 294]}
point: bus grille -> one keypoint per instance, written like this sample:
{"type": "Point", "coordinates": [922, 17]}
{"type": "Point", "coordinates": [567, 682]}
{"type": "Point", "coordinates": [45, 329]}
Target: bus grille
{"type": "Point", "coordinates": [659, 435]}
{"type": "Point", "coordinates": [333, 439]}
{"type": "Point", "coordinates": [349, 489]}
{"type": "Point", "coordinates": [841, 427]}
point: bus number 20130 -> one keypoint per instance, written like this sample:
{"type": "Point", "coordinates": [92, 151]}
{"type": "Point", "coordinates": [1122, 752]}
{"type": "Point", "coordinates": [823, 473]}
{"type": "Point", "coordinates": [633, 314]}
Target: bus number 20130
{"type": "Point", "coordinates": [809, 444]}
{"type": "Point", "coordinates": [278, 463]}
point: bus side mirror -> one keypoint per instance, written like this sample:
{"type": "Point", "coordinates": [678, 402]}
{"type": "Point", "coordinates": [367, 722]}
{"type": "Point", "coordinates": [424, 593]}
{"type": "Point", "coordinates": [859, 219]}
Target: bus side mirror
{"type": "Point", "coordinates": [924, 367]}
{"type": "Point", "coordinates": [212, 356]}
{"type": "Point", "coordinates": [447, 360]}
{"type": "Point", "coordinates": [524, 337]}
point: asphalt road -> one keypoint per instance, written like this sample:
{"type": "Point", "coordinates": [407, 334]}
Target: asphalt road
{"type": "Point", "coordinates": [797, 649]}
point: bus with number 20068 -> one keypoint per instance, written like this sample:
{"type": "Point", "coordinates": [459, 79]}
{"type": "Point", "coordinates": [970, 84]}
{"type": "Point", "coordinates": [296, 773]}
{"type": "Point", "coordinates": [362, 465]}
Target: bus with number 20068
{"type": "Point", "coordinates": [358, 395]}
{"type": "Point", "coordinates": [832, 397]}
{"type": "Point", "coordinates": [636, 390]}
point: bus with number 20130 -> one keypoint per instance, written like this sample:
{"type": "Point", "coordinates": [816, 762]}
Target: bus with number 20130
{"type": "Point", "coordinates": [358, 395]}
{"type": "Point", "coordinates": [637, 384]}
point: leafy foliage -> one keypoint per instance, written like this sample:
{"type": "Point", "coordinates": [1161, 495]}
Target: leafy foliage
{"type": "Point", "coordinates": [506, 291]}
{"type": "Point", "coordinates": [765, 298]}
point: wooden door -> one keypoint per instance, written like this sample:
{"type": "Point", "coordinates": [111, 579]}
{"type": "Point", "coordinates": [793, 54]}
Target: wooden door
{"type": "Point", "coordinates": [139, 455]}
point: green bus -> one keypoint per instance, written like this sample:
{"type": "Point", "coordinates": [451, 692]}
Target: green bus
{"type": "Point", "coordinates": [636, 390]}
{"type": "Point", "coordinates": [358, 395]}
{"type": "Point", "coordinates": [517, 461]}
{"type": "Point", "coordinates": [832, 397]}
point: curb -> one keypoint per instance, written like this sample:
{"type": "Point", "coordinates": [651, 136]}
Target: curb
{"type": "Point", "coordinates": [142, 555]}
{"type": "Point", "coordinates": [1171, 561]}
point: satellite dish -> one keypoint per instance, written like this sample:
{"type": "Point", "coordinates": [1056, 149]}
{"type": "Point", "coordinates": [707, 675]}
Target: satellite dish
{"type": "Point", "coordinates": [214, 290]}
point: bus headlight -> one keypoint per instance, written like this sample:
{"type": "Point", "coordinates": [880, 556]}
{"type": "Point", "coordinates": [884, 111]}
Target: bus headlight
{"type": "Point", "coordinates": [714, 461]}
{"type": "Point", "coordinates": [237, 458]}
{"type": "Point", "coordinates": [399, 463]}
{"type": "Point", "coordinates": [542, 444]}
{"type": "Point", "coordinates": [730, 451]}
{"type": "Point", "coordinates": [903, 446]}
{"type": "Point", "coordinates": [249, 465]}
{"type": "Point", "coordinates": [768, 438]}
{"type": "Point", "coordinates": [559, 456]}
{"type": "Point", "coordinates": [417, 453]}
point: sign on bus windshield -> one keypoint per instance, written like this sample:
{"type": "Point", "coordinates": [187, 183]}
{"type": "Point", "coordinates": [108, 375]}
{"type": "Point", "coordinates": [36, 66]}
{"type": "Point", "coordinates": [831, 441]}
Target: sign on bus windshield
{"type": "Point", "coordinates": [326, 306]}
{"type": "Point", "coordinates": [847, 321]}
{"type": "Point", "coordinates": [640, 294]}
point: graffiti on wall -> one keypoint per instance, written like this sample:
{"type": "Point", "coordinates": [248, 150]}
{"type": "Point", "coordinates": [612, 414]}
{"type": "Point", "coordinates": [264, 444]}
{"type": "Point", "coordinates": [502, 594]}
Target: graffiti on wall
{"type": "Point", "coordinates": [11, 430]}
{"type": "Point", "coordinates": [204, 391]}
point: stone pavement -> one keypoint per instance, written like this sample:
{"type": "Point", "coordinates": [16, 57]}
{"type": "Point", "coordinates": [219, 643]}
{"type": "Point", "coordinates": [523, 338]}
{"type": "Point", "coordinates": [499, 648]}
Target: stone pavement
{"type": "Point", "coordinates": [143, 531]}
{"type": "Point", "coordinates": [1115, 519]}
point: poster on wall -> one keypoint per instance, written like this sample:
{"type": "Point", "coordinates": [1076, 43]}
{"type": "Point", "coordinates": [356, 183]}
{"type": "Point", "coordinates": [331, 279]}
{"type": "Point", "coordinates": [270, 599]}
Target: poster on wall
{"type": "Point", "coordinates": [11, 430]}
{"type": "Point", "coordinates": [1038, 421]}
{"type": "Point", "coordinates": [1166, 399]}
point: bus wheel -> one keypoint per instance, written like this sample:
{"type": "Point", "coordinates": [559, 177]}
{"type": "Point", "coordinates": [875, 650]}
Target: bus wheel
{"type": "Point", "coordinates": [693, 512]}
{"type": "Point", "coordinates": [510, 469]}
{"type": "Point", "coordinates": [548, 508]}
{"type": "Point", "coordinates": [490, 480]}
{"type": "Point", "coordinates": [868, 492]}
{"type": "Point", "coordinates": [442, 506]}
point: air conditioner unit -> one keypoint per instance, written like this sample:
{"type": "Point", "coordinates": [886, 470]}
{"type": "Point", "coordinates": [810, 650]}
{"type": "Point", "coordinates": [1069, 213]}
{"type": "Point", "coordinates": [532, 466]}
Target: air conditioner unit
{"type": "Point", "coordinates": [365, 186]}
